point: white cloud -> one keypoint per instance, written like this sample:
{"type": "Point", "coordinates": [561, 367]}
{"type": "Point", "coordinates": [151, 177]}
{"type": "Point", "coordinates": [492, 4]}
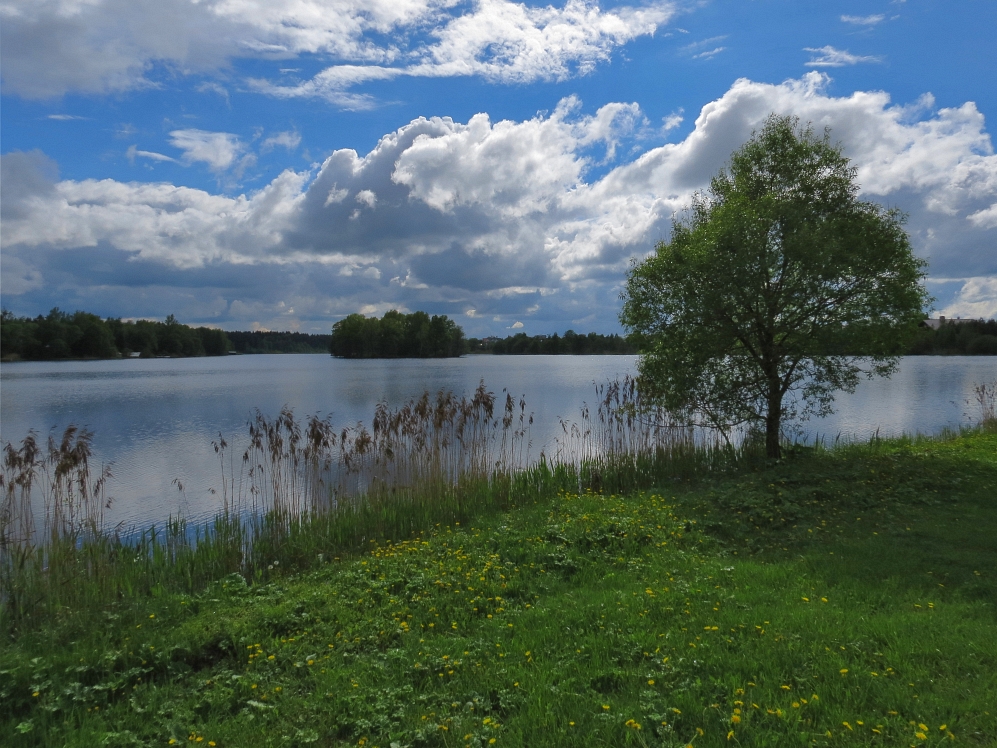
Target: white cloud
{"type": "Point", "coordinates": [219, 150]}
{"type": "Point", "coordinates": [368, 198]}
{"type": "Point", "coordinates": [836, 58]}
{"type": "Point", "coordinates": [134, 152]}
{"type": "Point", "coordinates": [501, 217]}
{"type": "Point", "coordinates": [289, 140]}
{"type": "Point", "coordinates": [864, 20]}
{"type": "Point", "coordinates": [65, 117]}
{"type": "Point", "coordinates": [707, 54]}
{"type": "Point", "coordinates": [215, 88]}
{"type": "Point", "coordinates": [50, 48]}
{"type": "Point", "coordinates": [976, 299]}
{"type": "Point", "coordinates": [986, 218]}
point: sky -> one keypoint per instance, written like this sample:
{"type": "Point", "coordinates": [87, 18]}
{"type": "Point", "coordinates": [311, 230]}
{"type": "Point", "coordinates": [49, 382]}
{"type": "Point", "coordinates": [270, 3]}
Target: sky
{"type": "Point", "coordinates": [279, 164]}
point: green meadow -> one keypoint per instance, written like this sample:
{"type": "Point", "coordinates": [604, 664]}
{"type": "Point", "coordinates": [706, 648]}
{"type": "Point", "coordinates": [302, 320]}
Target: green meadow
{"type": "Point", "coordinates": [838, 597]}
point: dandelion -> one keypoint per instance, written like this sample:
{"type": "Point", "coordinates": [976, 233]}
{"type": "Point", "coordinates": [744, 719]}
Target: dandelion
{"type": "Point", "coordinates": [651, 682]}
{"type": "Point", "coordinates": [843, 671]}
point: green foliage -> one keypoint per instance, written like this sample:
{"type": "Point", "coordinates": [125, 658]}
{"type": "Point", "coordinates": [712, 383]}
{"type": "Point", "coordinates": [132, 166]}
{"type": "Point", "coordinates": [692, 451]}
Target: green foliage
{"type": "Point", "coordinates": [778, 267]}
{"type": "Point", "coordinates": [397, 335]}
{"type": "Point", "coordinates": [666, 618]}
{"type": "Point", "coordinates": [258, 341]}
{"type": "Point", "coordinates": [962, 338]}
{"type": "Point", "coordinates": [60, 335]}
{"type": "Point", "coordinates": [571, 343]}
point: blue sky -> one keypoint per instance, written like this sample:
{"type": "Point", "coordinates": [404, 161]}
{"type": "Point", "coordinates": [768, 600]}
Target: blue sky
{"type": "Point", "coordinates": [280, 164]}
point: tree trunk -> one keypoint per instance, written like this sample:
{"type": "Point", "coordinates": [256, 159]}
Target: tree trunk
{"type": "Point", "coordinates": [773, 419]}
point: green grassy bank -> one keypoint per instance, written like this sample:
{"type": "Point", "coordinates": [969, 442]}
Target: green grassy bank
{"type": "Point", "coordinates": [839, 598]}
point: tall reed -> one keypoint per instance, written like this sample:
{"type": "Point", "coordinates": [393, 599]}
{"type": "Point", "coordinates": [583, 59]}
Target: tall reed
{"type": "Point", "coordinates": [304, 491]}
{"type": "Point", "coordinates": [985, 396]}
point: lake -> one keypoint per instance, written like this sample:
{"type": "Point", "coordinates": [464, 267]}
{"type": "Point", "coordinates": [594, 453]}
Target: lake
{"type": "Point", "coordinates": [154, 419]}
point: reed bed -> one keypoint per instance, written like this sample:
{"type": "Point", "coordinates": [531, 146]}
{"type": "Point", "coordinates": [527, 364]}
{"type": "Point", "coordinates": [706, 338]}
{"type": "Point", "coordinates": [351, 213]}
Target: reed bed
{"type": "Point", "coordinates": [305, 492]}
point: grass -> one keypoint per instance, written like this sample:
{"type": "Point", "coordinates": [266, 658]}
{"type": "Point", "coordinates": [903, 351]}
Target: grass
{"type": "Point", "coordinates": [840, 597]}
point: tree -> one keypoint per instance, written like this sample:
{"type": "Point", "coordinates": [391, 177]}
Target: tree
{"type": "Point", "coordinates": [742, 317]}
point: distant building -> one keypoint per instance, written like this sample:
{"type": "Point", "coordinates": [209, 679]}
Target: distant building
{"type": "Point", "coordinates": [934, 324]}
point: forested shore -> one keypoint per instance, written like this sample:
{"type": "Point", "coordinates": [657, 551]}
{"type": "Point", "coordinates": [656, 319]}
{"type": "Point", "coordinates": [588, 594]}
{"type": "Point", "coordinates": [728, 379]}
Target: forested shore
{"type": "Point", "coordinates": [82, 335]}
{"type": "Point", "coordinates": [61, 335]}
{"type": "Point", "coordinates": [571, 343]}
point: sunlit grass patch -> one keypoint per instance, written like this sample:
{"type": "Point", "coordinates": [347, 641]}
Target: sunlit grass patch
{"type": "Point", "coordinates": [586, 619]}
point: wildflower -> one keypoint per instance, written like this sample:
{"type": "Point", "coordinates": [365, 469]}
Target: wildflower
{"type": "Point", "coordinates": [730, 735]}
{"type": "Point", "coordinates": [651, 682]}
{"type": "Point", "coordinates": [735, 719]}
{"type": "Point", "coordinates": [848, 726]}
{"type": "Point", "coordinates": [843, 671]}
{"type": "Point", "coordinates": [920, 736]}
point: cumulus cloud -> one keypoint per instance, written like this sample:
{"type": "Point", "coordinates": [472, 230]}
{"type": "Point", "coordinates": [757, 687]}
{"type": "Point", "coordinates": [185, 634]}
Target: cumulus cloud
{"type": "Point", "coordinates": [219, 150]}
{"type": "Point", "coordinates": [829, 57]}
{"type": "Point", "coordinates": [504, 218]}
{"type": "Point", "coordinates": [976, 299]}
{"type": "Point", "coordinates": [55, 46]}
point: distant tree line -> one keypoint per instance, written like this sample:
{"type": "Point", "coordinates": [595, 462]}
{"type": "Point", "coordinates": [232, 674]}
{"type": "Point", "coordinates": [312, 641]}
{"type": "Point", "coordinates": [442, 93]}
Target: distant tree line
{"type": "Point", "coordinates": [397, 335]}
{"type": "Point", "coordinates": [571, 343]}
{"type": "Point", "coordinates": [258, 341]}
{"type": "Point", "coordinates": [59, 335]}
{"type": "Point", "coordinates": [957, 338]}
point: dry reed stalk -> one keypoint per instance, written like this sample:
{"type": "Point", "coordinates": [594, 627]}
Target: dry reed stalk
{"type": "Point", "coordinates": [72, 499]}
{"type": "Point", "coordinates": [986, 398]}
{"type": "Point", "coordinates": [431, 445]}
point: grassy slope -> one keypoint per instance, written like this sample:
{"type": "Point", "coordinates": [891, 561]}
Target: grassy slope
{"type": "Point", "coordinates": [843, 599]}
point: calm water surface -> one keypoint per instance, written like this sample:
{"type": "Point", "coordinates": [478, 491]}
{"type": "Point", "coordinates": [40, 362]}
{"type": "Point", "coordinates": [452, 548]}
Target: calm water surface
{"type": "Point", "coordinates": [154, 420]}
